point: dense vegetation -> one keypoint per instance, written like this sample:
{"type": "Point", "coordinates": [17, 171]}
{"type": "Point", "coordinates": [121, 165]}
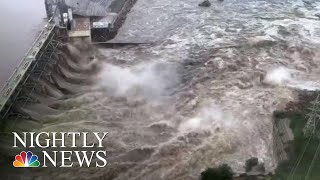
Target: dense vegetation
{"type": "Point", "coordinates": [297, 113]}
{"type": "Point", "coordinates": [223, 172]}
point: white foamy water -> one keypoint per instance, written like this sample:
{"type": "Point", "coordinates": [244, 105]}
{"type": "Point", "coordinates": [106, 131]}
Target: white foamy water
{"type": "Point", "coordinates": [211, 117]}
{"type": "Point", "coordinates": [291, 78]}
{"type": "Point", "coordinates": [233, 65]}
{"type": "Point", "coordinates": [151, 79]}
{"type": "Point", "coordinates": [278, 76]}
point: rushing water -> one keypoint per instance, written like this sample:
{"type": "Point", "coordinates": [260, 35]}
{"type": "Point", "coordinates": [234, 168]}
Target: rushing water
{"type": "Point", "coordinates": [200, 95]}
{"type": "Point", "coordinates": [21, 22]}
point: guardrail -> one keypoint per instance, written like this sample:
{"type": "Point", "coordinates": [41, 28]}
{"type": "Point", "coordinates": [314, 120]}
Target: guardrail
{"type": "Point", "coordinates": [22, 68]}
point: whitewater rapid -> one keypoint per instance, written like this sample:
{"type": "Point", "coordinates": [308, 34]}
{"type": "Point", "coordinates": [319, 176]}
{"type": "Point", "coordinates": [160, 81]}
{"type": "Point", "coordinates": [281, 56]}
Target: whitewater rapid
{"type": "Point", "coordinates": [201, 94]}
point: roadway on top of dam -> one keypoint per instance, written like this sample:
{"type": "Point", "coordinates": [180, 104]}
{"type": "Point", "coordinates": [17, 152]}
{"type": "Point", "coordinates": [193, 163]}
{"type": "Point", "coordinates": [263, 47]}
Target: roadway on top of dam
{"type": "Point", "coordinates": [21, 22]}
{"type": "Point", "coordinates": [9, 87]}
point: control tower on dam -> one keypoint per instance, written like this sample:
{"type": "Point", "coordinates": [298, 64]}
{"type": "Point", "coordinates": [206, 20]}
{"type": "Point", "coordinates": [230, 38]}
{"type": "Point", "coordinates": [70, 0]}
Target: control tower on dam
{"type": "Point", "coordinates": [97, 21]}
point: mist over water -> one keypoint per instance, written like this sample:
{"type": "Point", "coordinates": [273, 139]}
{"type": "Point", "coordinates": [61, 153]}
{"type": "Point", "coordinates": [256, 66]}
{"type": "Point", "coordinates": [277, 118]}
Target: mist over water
{"type": "Point", "coordinates": [202, 94]}
{"type": "Point", "coordinates": [145, 79]}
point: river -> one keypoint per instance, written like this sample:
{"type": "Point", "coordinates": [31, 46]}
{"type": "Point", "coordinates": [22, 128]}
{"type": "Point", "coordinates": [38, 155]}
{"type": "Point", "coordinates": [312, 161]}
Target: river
{"type": "Point", "coordinates": [200, 95]}
{"type": "Point", "coordinates": [21, 21]}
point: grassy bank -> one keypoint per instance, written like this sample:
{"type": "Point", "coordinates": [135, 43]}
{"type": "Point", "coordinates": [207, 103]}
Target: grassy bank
{"type": "Point", "coordinates": [297, 113]}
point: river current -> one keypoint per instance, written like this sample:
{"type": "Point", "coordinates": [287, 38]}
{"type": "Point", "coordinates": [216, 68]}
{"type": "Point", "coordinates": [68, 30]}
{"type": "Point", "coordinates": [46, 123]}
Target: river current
{"type": "Point", "coordinates": [201, 94]}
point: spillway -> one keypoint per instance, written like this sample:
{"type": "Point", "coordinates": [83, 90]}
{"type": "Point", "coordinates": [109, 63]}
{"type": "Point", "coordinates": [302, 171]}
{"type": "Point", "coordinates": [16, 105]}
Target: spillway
{"type": "Point", "coordinates": [197, 89]}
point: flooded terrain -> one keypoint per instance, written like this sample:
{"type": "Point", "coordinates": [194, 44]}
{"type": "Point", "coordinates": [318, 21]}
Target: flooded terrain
{"type": "Point", "coordinates": [201, 94]}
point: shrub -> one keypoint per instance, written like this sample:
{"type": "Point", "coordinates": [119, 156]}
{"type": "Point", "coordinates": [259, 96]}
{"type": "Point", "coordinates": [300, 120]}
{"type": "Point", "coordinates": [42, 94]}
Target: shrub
{"type": "Point", "coordinates": [251, 163]}
{"type": "Point", "coordinates": [223, 172]}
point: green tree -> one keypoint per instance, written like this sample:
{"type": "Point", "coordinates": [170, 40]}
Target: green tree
{"type": "Point", "coordinates": [223, 172]}
{"type": "Point", "coordinates": [251, 163]}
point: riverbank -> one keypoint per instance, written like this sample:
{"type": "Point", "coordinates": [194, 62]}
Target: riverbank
{"type": "Point", "coordinates": [300, 151]}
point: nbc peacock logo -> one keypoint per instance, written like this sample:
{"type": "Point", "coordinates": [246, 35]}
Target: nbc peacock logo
{"type": "Point", "coordinates": [26, 160]}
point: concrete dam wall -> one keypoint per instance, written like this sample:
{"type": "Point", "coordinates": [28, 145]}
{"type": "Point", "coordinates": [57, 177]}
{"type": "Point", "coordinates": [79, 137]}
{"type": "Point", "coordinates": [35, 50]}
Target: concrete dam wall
{"type": "Point", "coordinates": [42, 71]}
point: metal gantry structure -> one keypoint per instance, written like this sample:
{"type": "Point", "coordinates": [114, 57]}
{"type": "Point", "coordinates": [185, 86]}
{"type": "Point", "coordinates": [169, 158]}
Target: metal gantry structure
{"type": "Point", "coordinates": [314, 116]}
{"type": "Point", "coordinates": [34, 66]}
{"type": "Point", "coordinates": [310, 131]}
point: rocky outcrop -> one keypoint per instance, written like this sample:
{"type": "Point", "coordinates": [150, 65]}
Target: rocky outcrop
{"type": "Point", "coordinates": [283, 137]}
{"type": "Point", "coordinates": [205, 3]}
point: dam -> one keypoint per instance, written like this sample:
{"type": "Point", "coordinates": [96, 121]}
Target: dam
{"type": "Point", "coordinates": [35, 62]}
{"type": "Point", "coordinates": [178, 87]}
{"type": "Point", "coordinates": [73, 20]}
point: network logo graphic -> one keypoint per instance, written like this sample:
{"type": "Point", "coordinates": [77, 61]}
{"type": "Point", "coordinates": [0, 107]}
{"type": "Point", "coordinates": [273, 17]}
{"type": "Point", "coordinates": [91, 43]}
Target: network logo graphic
{"type": "Point", "coordinates": [26, 160]}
